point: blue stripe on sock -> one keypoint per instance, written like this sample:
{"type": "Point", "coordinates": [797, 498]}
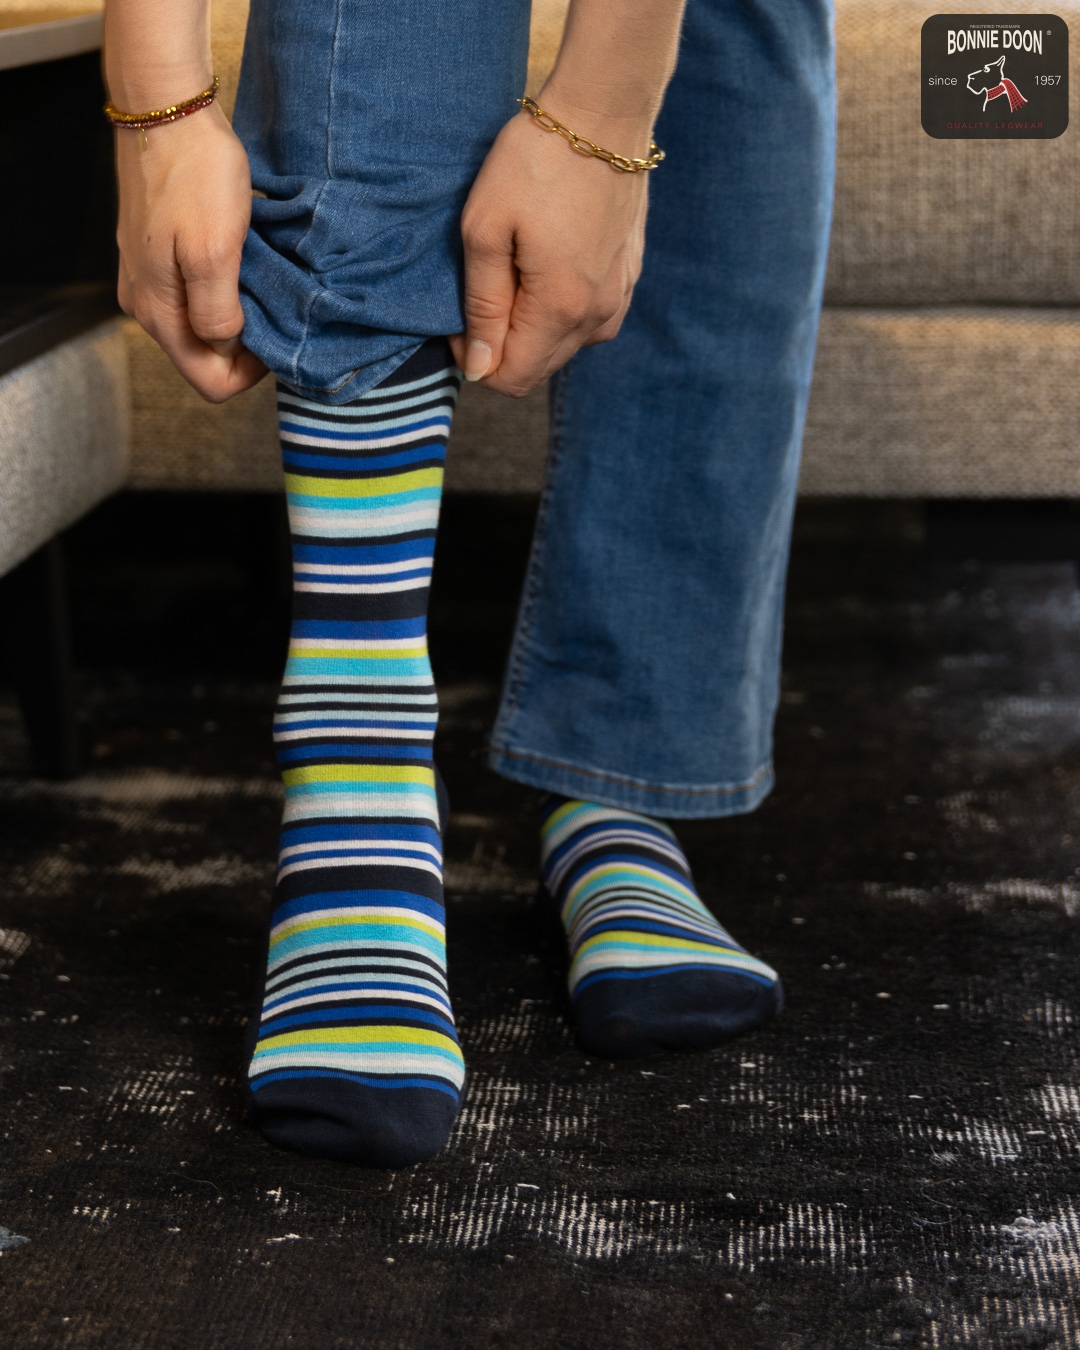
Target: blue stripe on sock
{"type": "Point", "coordinates": [319, 834]}
{"type": "Point", "coordinates": [362, 555]}
{"type": "Point", "coordinates": [328, 432]}
{"type": "Point", "coordinates": [297, 458]}
{"type": "Point", "coordinates": [368, 630]}
{"type": "Point", "coordinates": [360, 901]}
{"type": "Point", "coordinates": [361, 1015]}
{"type": "Point", "coordinates": [615, 974]}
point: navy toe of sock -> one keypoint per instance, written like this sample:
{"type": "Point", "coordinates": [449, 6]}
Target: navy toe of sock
{"type": "Point", "coordinates": [353, 1123]}
{"type": "Point", "coordinates": [622, 1018]}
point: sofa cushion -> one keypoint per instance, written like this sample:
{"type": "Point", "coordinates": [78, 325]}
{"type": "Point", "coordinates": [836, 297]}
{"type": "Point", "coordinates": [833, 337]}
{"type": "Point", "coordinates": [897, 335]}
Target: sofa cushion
{"type": "Point", "coordinates": [964, 402]}
{"type": "Point", "coordinates": [180, 442]}
{"type": "Point", "coordinates": [950, 402]}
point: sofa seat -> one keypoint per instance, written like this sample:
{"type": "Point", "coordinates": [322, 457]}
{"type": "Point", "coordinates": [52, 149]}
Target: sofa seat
{"type": "Point", "coordinates": [64, 437]}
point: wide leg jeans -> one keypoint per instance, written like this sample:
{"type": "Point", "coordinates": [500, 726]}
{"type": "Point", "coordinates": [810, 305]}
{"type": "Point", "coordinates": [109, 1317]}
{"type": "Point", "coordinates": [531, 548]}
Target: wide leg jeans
{"type": "Point", "coordinates": [645, 667]}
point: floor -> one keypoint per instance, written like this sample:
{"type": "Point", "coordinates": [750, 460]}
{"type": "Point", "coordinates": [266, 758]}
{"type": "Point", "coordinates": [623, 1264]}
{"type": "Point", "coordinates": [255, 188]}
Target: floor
{"type": "Point", "coordinates": [894, 1162]}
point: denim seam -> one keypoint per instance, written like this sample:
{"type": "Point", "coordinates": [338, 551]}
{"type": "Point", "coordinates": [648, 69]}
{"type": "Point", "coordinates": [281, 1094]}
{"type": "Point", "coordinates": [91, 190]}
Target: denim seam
{"type": "Point", "coordinates": [519, 655]}
{"type": "Point", "coordinates": [314, 297]}
{"type": "Point", "coordinates": [721, 789]}
{"type": "Point", "coordinates": [330, 87]}
{"type": "Point", "coordinates": [313, 300]}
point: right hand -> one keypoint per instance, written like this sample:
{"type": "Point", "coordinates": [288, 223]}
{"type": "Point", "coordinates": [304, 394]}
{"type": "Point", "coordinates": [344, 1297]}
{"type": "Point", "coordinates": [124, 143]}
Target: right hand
{"type": "Point", "coordinates": [185, 206]}
{"type": "Point", "coordinates": [553, 248]}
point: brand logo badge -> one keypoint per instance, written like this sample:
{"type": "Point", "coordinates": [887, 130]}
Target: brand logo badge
{"type": "Point", "coordinates": [966, 94]}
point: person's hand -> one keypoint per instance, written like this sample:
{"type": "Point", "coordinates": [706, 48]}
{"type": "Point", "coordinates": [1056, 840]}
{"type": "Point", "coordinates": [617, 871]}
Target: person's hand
{"type": "Point", "coordinates": [185, 205]}
{"type": "Point", "coordinates": [553, 246]}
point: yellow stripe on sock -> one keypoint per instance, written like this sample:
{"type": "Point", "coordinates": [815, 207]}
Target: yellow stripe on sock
{"type": "Point", "coordinates": [361, 653]}
{"type": "Point", "coordinates": [358, 773]}
{"type": "Point", "coordinates": [638, 939]}
{"type": "Point", "coordinates": [364, 487]}
{"type": "Point", "coordinates": [386, 1031]}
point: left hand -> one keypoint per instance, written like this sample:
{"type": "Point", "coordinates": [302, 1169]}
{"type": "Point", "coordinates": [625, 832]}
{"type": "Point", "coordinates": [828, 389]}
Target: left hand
{"type": "Point", "coordinates": [553, 248]}
{"type": "Point", "coordinates": [185, 203]}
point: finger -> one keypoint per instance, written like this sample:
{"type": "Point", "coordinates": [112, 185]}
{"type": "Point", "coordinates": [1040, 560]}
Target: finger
{"type": "Point", "coordinates": [219, 378]}
{"type": "Point", "coordinates": [217, 366]}
{"type": "Point", "coordinates": [491, 284]}
{"type": "Point", "coordinates": [547, 327]}
{"type": "Point", "coordinates": [216, 375]}
{"type": "Point", "coordinates": [218, 370]}
{"type": "Point", "coordinates": [158, 304]}
{"type": "Point", "coordinates": [213, 299]}
{"type": "Point", "coordinates": [608, 330]}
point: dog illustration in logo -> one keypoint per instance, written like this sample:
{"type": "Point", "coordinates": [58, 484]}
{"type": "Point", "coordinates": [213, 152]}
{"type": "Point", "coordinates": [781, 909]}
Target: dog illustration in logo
{"type": "Point", "coordinates": [991, 81]}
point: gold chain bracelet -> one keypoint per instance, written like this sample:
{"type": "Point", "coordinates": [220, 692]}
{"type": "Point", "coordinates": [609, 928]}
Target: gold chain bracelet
{"type": "Point", "coordinates": [157, 117]}
{"type": "Point", "coordinates": [546, 122]}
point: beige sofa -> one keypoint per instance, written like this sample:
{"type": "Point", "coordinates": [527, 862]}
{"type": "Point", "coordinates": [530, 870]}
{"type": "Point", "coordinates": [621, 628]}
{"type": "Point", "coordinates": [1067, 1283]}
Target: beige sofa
{"type": "Point", "coordinates": [64, 434]}
{"type": "Point", "coordinates": [949, 351]}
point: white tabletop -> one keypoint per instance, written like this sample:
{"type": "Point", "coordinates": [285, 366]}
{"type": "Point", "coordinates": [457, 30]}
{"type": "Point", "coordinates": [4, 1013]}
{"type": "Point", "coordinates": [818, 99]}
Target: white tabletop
{"type": "Point", "coordinates": [26, 44]}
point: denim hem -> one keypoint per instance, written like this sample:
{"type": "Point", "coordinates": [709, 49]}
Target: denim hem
{"type": "Point", "coordinates": [373, 375]}
{"type": "Point", "coordinates": [673, 801]}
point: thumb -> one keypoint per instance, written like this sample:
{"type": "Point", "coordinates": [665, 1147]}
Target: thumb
{"type": "Point", "coordinates": [491, 284]}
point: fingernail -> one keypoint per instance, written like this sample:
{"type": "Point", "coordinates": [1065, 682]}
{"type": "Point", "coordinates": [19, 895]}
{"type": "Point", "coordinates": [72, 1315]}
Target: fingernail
{"type": "Point", "coordinates": [477, 359]}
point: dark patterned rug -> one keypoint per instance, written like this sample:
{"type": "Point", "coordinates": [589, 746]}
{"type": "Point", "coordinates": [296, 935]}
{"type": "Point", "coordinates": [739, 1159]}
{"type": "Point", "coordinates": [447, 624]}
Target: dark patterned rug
{"type": "Point", "coordinates": [893, 1163]}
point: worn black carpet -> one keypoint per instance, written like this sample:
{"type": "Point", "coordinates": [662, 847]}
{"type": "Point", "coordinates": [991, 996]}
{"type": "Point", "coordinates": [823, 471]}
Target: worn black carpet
{"type": "Point", "coordinates": [893, 1163]}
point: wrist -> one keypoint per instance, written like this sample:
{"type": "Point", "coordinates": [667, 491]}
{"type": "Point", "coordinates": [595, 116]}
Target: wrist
{"type": "Point", "coordinates": [206, 133]}
{"type": "Point", "coordinates": [150, 87]}
{"type": "Point", "coordinates": [621, 124]}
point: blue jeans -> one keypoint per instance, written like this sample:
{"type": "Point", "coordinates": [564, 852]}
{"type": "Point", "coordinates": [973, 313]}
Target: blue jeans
{"type": "Point", "coordinates": [365, 123]}
{"type": "Point", "coordinates": [644, 672]}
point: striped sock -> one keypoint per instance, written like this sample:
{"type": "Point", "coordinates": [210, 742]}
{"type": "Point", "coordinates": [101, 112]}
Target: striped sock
{"type": "Point", "coordinates": [356, 1056]}
{"type": "Point", "coordinates": [650, 969]}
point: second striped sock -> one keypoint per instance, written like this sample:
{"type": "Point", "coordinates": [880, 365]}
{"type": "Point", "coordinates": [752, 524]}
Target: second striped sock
{"type": "Point", "coordinates": [650, 968]}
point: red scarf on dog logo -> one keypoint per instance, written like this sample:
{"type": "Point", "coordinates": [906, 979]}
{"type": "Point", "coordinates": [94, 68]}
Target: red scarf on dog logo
{"type": "Point", "coordinates": [1016, 98]}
